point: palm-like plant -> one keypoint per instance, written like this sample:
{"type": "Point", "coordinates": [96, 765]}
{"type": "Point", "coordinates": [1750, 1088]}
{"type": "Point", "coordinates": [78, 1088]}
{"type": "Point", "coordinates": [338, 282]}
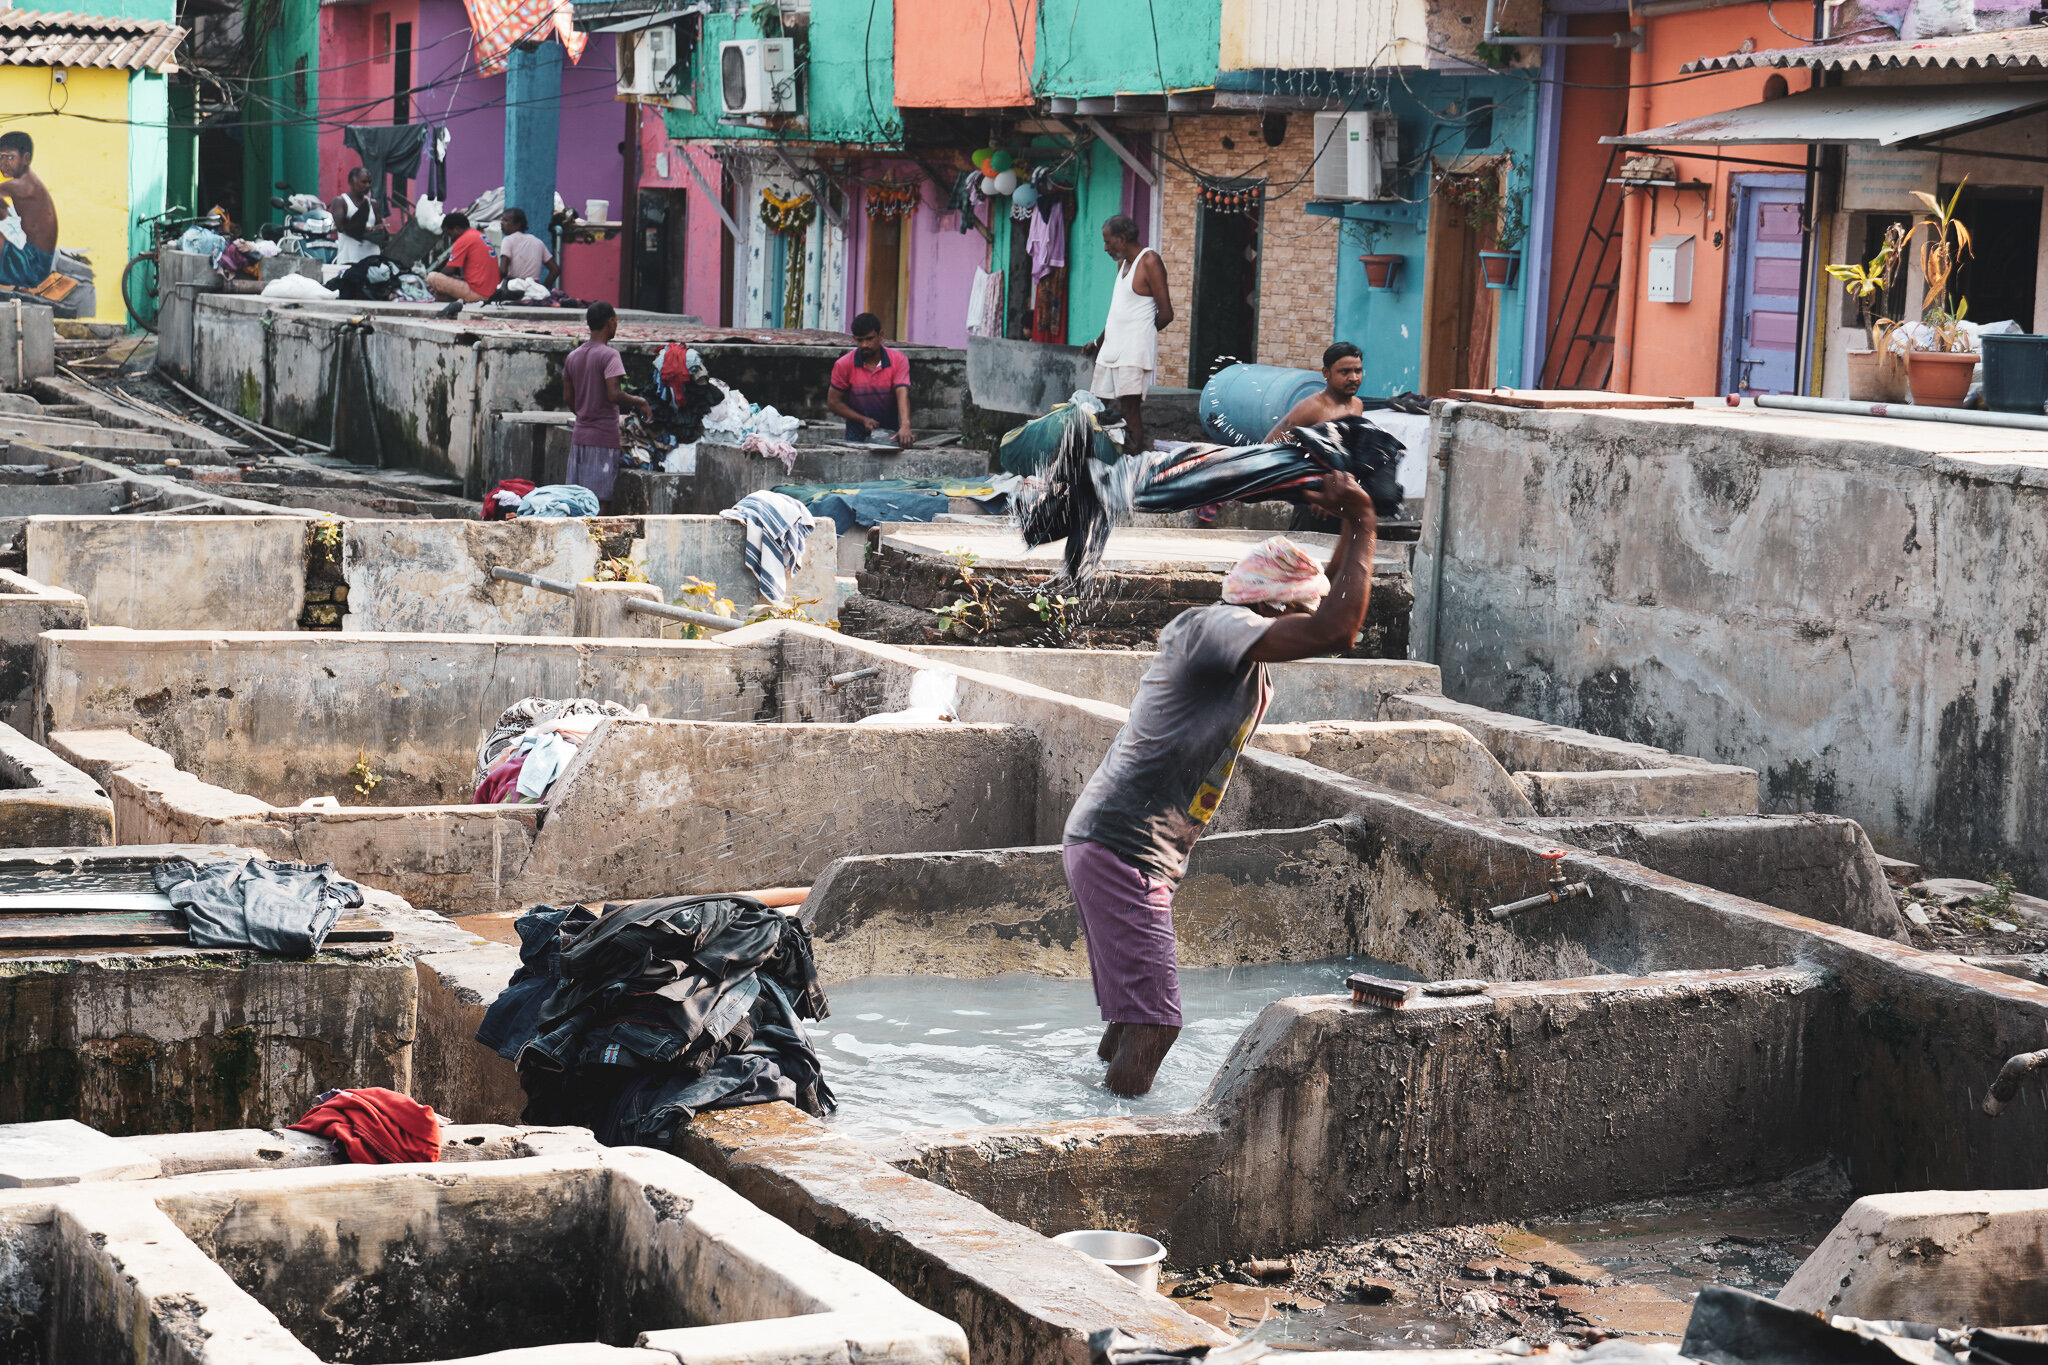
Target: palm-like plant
{"type": "Point", "coordinates": [1868, 284]}
{"type": "Point", "coordinates": [1941, 255]}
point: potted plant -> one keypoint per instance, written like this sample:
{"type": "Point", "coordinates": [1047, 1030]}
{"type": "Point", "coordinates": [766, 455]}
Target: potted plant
{"type": "Point", "coordinates": [1381, 271]}
{"type": "Point", "coordinates": [1877, 375]}
{"type": "Point", "coordinates": [1943, 356]}
{"type": "Point", "coordinates": [1500, 265]}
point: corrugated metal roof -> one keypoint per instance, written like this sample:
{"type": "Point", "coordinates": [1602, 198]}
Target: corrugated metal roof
{"type": "Point", "coordinates": [1882, 115]}
{"type": "Point", "coordinates": [2010, 49]}
{"type": "Point", "coordinates": [30, 38]}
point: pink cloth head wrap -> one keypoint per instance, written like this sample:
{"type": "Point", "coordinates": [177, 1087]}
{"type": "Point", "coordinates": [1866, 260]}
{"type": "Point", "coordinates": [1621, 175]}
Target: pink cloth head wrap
{"type": "Point", "coordinates": [1279, 572]}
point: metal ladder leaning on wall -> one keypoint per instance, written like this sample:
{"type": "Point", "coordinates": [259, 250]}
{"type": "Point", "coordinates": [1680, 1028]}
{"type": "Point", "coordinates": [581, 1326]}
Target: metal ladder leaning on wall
{"type": "Point", "coordinates": [1599, 262]}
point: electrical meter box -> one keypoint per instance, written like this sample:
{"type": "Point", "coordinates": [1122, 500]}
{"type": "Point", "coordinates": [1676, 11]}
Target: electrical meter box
{"type": "Point", "coordinates": [1670, 273]}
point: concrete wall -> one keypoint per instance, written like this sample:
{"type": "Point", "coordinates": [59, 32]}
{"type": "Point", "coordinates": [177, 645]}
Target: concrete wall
{"type": "Point", "coordinates": [725, 474]}
{"type": "Point", "coordinates": [177, 573]}
{"type": "Point", "coordinates": [1332, 1122]}
{"type": "Point", "coordinates": [1829, 601]}
{"type": "Point", "coordinates": [27, 609]}
{"type": "Point", "coordinates": [420, 393]}
{"type": "Point", "coordinates": [45, 802]}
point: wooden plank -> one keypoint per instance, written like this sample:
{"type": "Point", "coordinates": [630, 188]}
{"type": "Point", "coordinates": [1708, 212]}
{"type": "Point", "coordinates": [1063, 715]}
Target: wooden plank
{"type": "Point", "coordinates": [1565, 398]}
{"type": "Point", "coordinates": [139, 929]}
{"type": "Point", "coordinates": [81, 902]}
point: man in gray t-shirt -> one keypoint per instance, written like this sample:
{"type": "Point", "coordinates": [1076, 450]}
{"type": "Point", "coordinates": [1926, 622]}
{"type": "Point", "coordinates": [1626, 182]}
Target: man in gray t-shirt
{"type": "Point", "coordinates": [1128, 837]}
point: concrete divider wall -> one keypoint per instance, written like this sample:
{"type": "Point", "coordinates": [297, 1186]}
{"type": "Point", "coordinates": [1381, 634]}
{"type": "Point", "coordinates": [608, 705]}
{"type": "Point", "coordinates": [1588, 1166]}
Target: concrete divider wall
{"type": "Point", "coordinates": [284, 717]}
{"type": "Point", "coordinates": [27, 609]}
{"type": "Point", "coordinates": [439, 386]}
{"type": "Point", "coordinates": [177, 573]}
{"type": "Point", "coordinates": [1828, 600]}
{"type": "Point", "coordinates": [725, 473]}
{"type": "Point", "coordinates": [1331, 1122]}
{"type": "Point", "coordinates": [45, 802]}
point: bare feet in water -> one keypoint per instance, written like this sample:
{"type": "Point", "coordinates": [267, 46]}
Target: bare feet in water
{"type": "Point", "coordinates": [1140, 1048]}
{"type": "Point", "coordinates": [1106, 1049]}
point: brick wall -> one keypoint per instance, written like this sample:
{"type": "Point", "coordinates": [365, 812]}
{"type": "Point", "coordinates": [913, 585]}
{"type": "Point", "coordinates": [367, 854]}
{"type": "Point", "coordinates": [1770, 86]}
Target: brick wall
{"type": "Point", "coordinates": [1298, 254]}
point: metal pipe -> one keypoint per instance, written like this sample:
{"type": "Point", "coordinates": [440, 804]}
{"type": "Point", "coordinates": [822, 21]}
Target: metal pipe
{"type": "Point", "coordinates": [839, 680]}
{"type": "Point", "coordinates": [1440, 451]}
{"type": "Point", "coordinates": [2024, 421]}
{"type": "Point", "coordinates": [260, 433]}
{"type": "Point", "coordinates": [1558, 891]}
{"type": "Point", "coordinates": [533, 581]}
{"type": "Point", "coordinates": [2007, 1085]}
{"type": "Point", "coordinates": [648, 607]}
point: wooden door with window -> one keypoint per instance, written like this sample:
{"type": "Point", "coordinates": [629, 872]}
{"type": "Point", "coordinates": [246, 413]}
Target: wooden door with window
{"type": "Point", "coordinates": [887, 259]}
{"type": "Point", "coordinates": [1460, 318]}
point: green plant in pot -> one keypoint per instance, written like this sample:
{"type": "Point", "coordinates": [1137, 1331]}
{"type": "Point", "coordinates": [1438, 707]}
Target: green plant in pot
{"type": "Point", "coordinates": [1382, 272]}
{"type": "Point", "coordinates": [1878, 374]}
{"type": "Point", "coordinates": [1943, 355]}
{"type": "Point", "coordinates": [1486, 207]}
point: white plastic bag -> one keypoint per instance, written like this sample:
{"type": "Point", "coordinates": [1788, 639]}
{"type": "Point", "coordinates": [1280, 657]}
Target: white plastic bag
{"type": "Point", "coordinates": [427, 213]}
{"type": "Point", "coordinates": [296, 287]}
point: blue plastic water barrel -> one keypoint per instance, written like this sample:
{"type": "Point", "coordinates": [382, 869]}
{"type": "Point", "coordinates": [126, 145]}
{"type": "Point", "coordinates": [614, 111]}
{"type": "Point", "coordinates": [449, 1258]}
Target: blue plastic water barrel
{"type": "Point", "coordinates": [1244, 402]}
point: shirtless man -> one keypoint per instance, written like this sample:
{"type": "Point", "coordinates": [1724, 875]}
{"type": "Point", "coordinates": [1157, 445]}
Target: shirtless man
{"type": "Point", "coordinates": [25, 267]}
{"type": "Point", "coordinates": [1343, 372]}
{"type": "Point", "coordinates": [1127, 352]}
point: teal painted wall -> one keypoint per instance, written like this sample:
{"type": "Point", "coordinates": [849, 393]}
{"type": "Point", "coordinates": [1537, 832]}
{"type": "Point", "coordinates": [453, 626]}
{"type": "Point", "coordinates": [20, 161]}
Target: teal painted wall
{"type": "Point", "coordinates": [849, 86]}
{"type": "Point", "coordinates": [280, 139]}
{"type": "Point", "coordinates": [1088, 48]}
{"type": "Point", "coordinates": [1387, 325]}
{"type": "Point", "coordinates": [1098, 196]}
{"type": "Point", "coordinates": [149, 153]}
{"type": "Point", "coordinates": [166, 10]}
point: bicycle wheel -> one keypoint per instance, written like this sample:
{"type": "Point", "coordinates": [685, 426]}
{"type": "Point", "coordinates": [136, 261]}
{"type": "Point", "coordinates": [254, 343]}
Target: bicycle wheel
{"type": "Point", "coordinates": [138, 290]}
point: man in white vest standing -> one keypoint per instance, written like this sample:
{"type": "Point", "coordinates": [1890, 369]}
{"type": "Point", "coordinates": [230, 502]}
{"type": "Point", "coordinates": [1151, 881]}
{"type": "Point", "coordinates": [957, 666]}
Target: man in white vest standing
{"type": "Point", "coordinates": [1127, 352]}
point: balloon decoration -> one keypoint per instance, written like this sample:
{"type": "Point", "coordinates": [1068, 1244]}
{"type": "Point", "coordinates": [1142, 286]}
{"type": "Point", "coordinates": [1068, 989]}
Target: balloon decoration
{"type": "Point", "coordinates": [1006, 183]}
{"type": "Point", "coordinates": [1000, 162]}
{"type": "Point", "coordinates": [988, 185]}
{"type": "Point", "coordinates": [1025, 196]}
{"type": "Point", "coordinates": [981, 154]}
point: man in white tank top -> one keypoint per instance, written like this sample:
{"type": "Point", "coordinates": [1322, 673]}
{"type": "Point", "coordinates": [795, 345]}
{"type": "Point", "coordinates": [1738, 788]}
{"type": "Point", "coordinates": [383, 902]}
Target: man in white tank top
{"type": "Point", "coordinates": [1127, 352]}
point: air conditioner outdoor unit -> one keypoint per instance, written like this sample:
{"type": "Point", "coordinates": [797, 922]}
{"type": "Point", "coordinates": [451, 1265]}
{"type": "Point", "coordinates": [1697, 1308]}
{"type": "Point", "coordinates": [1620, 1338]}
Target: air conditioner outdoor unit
{"type": "Point", "coordinates": [1355, 154]}
{"type": "Point", "coordinates": [646, 72]}
{"type": "Point", "coordinates": [757, 76]}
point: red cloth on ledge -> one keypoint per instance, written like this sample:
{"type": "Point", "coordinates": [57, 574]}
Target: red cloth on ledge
{"type": "Point", "coordinates": [374, 1125]}
{"type": "Point", "coordinates": [500, 786]}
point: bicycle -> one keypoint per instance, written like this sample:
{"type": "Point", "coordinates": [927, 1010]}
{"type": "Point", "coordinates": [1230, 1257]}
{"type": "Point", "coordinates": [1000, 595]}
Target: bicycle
{"type": "Point", "coordinates": [139, 279]}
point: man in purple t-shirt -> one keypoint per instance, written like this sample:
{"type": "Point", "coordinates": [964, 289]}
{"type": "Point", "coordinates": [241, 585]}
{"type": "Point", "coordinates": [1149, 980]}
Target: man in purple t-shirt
{"type": "Point", "coordinates": [871, 385]}
{"type": "Point", "coordinates": [594, 387]}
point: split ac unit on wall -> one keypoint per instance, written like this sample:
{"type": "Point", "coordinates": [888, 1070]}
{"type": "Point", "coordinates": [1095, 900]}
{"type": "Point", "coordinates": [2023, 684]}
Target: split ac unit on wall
{"type": "Point", "coordinates": [757, 76]}
{"type": "Point", "coordinates": [1356, 155]}
{"type": "Point", "coordinates": [647, 63]}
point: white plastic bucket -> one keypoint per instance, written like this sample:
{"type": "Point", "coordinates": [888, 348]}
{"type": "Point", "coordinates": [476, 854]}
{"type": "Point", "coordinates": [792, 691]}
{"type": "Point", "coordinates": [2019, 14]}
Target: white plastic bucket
{"type": "Point", "coordinates": [1132, 1255]}
{"type": "Point", "coordinates": [597, 210]}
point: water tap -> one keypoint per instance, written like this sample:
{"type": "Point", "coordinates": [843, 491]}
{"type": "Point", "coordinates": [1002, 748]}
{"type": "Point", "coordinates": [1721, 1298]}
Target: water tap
{"type": "Point", "coordinates": [1558, 890]}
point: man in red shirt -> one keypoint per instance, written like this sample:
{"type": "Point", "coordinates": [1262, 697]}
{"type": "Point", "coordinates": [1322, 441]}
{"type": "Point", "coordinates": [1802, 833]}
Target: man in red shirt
{"type": "Point", "coordinates": [472, 275]}
{"type": "Point", "coordinates": [870, 385]}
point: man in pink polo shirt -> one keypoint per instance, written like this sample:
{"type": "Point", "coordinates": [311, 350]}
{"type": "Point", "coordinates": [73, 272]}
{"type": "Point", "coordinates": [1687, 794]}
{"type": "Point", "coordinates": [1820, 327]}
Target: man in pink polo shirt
{"type": "Point", "coordinates": [871, 385]}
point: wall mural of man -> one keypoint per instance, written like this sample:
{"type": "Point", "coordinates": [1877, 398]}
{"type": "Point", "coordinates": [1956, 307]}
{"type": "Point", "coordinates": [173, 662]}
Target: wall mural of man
{"type": "Point", "coordinates": [28, 237]}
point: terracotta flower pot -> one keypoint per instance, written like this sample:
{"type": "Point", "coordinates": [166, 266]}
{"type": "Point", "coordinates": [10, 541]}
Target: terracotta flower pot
{"type": "Point", "coordinates": [1381, 271]}
{"type": "Point", "coordinates": [1875, 379]}
{"type": "Point", "coordinates": [1940, 379]}
{"type": "Point", "coordinates": [1499, 268]}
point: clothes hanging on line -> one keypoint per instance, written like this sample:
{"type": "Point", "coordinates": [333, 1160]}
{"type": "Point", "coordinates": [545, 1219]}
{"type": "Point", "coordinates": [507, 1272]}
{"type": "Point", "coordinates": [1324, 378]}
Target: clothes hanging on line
{"type": "Point", "coordinates": [387, 149]}
{"type": "Point", "coordinates": [500, 25]}
{"type": "Point", "coordinates": [1046, 243]}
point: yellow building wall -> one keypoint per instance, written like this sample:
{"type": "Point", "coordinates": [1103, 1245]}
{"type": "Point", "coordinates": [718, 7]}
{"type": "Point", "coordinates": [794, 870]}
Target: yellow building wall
{"type": "Point", "coordinates": [84, 162]}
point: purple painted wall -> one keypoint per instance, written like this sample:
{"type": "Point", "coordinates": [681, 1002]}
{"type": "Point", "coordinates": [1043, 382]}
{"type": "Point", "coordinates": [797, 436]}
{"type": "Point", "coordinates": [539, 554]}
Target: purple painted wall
{"type": "Point", "coordinates": [943, 260]}
{"type": "Point", "coordinates": [448, 91]}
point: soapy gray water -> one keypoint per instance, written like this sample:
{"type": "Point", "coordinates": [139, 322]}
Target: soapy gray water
{"type": "Point", "coordinates": [905, 1052]}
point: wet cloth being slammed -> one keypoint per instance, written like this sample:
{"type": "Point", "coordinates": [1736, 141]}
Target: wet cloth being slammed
{"type": "Point", "coordinates": [1088, 483]}
{"type": "Point", "coordinates": [373, 1125]}
{"type": "Point", "coordinates": [777, 528]}
{"type": "Point", "coordinates": [282, 908]}
{"type": "Point", "coordinates": [631, 1021]}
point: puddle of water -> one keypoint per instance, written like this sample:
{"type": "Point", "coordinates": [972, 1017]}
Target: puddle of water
{"type": "Point", "coordinates": [21, 881]}
{"type": "Point", "coordinates": [904, 1052]}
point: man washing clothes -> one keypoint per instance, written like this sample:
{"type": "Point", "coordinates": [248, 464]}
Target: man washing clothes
{"type": "Point", "coordinates": [1343, 372]}
{"type": "Point", "coordinates": [471, 276]}
{"type": "Point", "coordinates": [870, 385]}
{"type": "Point", "coordinates": [523, 256]}
{"type": "Point", "coordinates": [27, 263]}
{"type": "Point", "coordinates": [594, 387]}
{"type": "Point", "coordinates": [352, 220]}
{"type": "Point", "coordinates": [1127, 352]}
{"type": "Point", "coordinates": [1128, 838]}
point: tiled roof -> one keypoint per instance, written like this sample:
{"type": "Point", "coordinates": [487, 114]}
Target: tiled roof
{"type": "Point", "coordinates": [2000, 50]}
{"type": "Point", "coordinates": [31, 38]}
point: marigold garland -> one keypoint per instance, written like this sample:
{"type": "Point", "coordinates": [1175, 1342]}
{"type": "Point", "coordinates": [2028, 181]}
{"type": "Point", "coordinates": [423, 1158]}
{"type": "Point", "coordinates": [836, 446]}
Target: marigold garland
{"type": "Point", "coordinates": [793, 215]}
{"type": "Point", "coordinates": [893, 199]}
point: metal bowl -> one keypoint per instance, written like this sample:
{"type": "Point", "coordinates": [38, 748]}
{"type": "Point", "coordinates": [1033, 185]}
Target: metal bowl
{"type": "Point", "coordinates": [1132, 1255]}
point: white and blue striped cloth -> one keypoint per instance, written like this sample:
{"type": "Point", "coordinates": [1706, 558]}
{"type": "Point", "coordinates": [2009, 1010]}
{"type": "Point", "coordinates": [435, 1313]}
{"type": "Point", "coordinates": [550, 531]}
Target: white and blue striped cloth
{"type": "Point", "coordinates": [777, 527]}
